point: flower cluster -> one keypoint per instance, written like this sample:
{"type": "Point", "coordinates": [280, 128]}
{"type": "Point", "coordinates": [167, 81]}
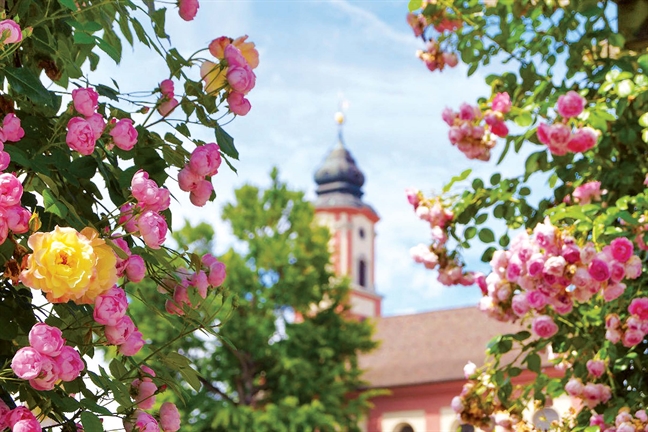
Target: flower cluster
{"type": "Point", "coordinates": [11, 131]}
{"type": "Point", "coordinates": [211, 275]}
{"type": "Point", "coordinates": [47, 360]}
{"type": "Point", "coordinates": [236, 60]}
{"type": "Point", "coordinates": [83, 132]}
{"type": "Point", "coordinates": [435, 58]}
{"type": "Point", "coordinates": [19, 419]}
{"type": "Point", "coordinates": [204, 162]}
{"type": "Point", "coordinates": [586, 193]}
{"type": "Point", "coordinates": [133, 267]}
{"type": "Point", "coordinates": [167, 102]}
{"type": "Point", "coordinates": [467, 132]}
{"type": "Point", "coordinates": [143, 391]}
{"type": "Point", "coordinates": [559, 136]}
{"type": "Point", "coordinates": [13, 217]}
{"type": "Point", "coordinates": [144, 218]}
{"type": "Point", "coordinates": [119, 329]}
{"type": "Point", "coordinates": [635, 327]}
{"type": "Point", "coordinates": [68, 265]}
{"type": "Point", "coordinates": [10, 32]}
{"type": "Point", "coordinates": [623, 422]}
{"type": "Point", "coordinates": [591, 394]}
{"type": "Point", "coordinates": [548, 269]}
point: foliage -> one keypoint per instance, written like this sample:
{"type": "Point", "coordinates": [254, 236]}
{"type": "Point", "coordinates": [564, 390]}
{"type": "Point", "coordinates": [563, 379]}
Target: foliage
{"type": "Point", "coordinates": [594, 195]}
{"type": "Point", "coordinates": [292, 360]}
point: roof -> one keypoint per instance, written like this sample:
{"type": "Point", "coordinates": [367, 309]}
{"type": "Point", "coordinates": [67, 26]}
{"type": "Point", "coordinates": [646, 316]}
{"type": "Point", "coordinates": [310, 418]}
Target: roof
{"type": "Point", "coordinates": [429, 347]}
{"type": "Point", "coordinates": [339, 174]}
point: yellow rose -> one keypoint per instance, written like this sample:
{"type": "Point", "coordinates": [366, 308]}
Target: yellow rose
{"type": "Point", "coordinates": [68, 265]}
{"type": "Point", "coordinates": [213, 76]}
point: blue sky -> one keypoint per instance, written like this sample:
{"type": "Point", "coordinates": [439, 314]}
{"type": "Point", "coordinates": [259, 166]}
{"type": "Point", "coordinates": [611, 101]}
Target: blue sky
{"type": "Point", "coordinates": [313, 54]}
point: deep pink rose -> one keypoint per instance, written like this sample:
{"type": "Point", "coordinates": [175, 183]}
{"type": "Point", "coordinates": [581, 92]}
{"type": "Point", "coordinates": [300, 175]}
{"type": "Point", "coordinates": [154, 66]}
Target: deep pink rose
{"type": "Point", "coordinates": [639, 307]}
{"type": "Point", "coordinates": [500, 129]}
{"type": "Point", "coordinates": [133, 344]}
{"type": "Point", "coordinates": [85, 101]}
{"type": "Point", "coordinates": [535, 264]}
{"type": "Point", "coordinates": [622, 249]}
{"type": "Point", "coordinates": [188, 9]}
{"type": "Point", "coordinates": [4, 411]}
{"type": "Point", "coordinates": [571, 253]}
{"type": "Point", "coordinates": [241, 79]}
{"type": "Point", "coordinates": [121, 331]}
{"type": "Point", "coordinates": [153, 228]}
{"type": "Point", "coordinates": [10, 31]}
{"type": "Point", "coordinates": [12, 129]}
{"type": "Point", "coordinates": [543, 133]}
{"type": "Point", "coordinates": [205, 160]}
{"type": "Point", "coordinates": [501, 103]}
{"type": "Point", "coordinates": [632, 338]}
{"type": "Point", "coordinates": [599, 270]}
{"type": "Point", "coordinates": [5, 160]}
{"type": "Point", "coordinates": [80, 136]}
{"type": "Point", "coordinates": [202, 193]}
{"type": "Point", "coordinates": [124, 135]}
{"type": "Point", "coordinates": [169, 417]}
{"type": "Point", "coordinates": [234, 57]}
{"type": "Point", "coordinates": [97, 123]}
{"type": "Point", "coordinates": [582, 140]}
{"type": "Point", "coordinates": [596, 367]}
{"type": "Point", "coordinates": [238, 104]}
{"type": "Point", "coordinates": [135, 269]}
{"type": "Point", "coordinates": [46, 339]}
{"type": "Point", "coordinates": [27, 363]}
{"type": "Point", "coordinates": [167, 88]}
{"type": "Point", "coordinates": [110, 306]}
{"type": "Point", "coordinates": [19, 413]}
{"type": "Point", "coordinates": [544, 326]}
{"type": "Point", "coordinates": [18, 219]}
{"type": "Point", "coordinates": [69, 363]}
{"type": "Point", "coordinates": [30, 425]}
{"type": "Point", "coordinates": [188, 180]}
{"type": "Point", "coordinates": [11, 190]}
{"type": "Point", "coordinates": [468, 112]}
{"type": "Point", "coordinates": [570, 104]}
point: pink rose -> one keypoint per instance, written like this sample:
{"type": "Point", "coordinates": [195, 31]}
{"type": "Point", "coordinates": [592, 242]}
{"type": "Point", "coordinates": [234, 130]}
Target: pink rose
{"type": "Point", "coordinates": [612, 335]}
{"type": "Point", "coordinates": [85, 101]}
{"type": "Point", "coordinates": [520, 305]}
{"type": "Point", "coordinates": [639, 307]}
{"type": "Point", "coordinates": [622, 249]}
{"type": "Point", "coordinates": [555, 266]}
{"type": "Point", "coordinates": [457, 404]}
{"type": "Point", "coordinates": [110, 307]}
{"type": "Point", "coordinates": [17, 219]}
{"type": "Point", "coordinates": [205, 160]}
{"type": "Point", "coordinates": [591, 395]}
{"type": "Point", "coordinates": [596, 367]}
{"type": "Point", "coordinates": [234, 57]}
{"type": "Point", "coordinates": [588, 252]}
{"type": "Point", "coordinates": [200, 282]}
{"type": "Point", "coordinates": [535, 264]}
{"type": "Point", "coordinates": [4, 411]}
{"type": "Point", "coordinates": [27, 363]}
{"type": "Point", "coordinates": [10, 31]}
{"type": "Point", "coordinates": [69, 364]}
{"type": "Point", "coordinates": [169, 417]}
{"type": "Point", "coordinates": [617, 272]}
{"type": "Point", "coordinates": [543, 133]}
{"type": "Point", "coordinates": [46, 339]}
{"type": "Point", "coordinates": [124, 135]}
{"type": "Point", "coordinates": [582, 140]}
{"type": "Point", "coordinates": [202, 193]}
{"type": "Point", "coordinates": [127, 219]}
{"type": "Point", "coordinates": [11, 190]}
{"type": "Point", "coordinates": [167, 106]}
{"type": "Point", "coordinates": [632, 338]}
{"type": "Point", "coordinates": [153, 228]}
{"type": "Point", "coordinates": [188, 180]}
{"type": "Point", "coordinates": [144, 190]}
{"type": "Point", "coordinates": [238, 104]}
{"type": "Point", "coordinates": [5, 160]}
{"type": "Point", "coordinates": [145, 394]}
{"type": "Point", "coordinates": [613, 291]}
{"type": "Point", "coordinates": [468, 112]}
{"type": "Point", "coordinates": [188, 9]}
{"type": "Point", "coordinates": [31, 425]}
{"type": "Point", "coordinates": [135, 269]}
{"type": "Point", "coordinates": [121, 331]}
{"type": "Point", "coordinates": [612, 321]}
{"type": "Point", "coordinates": [570, 104]}
{"type": "Point", "coordinates": [217, 274]}
{"type": "Point", "coordinates": [17, 414]}
{"type": "Point", "coordinates": [574, 387]}
{"type": "Point", "coordinates": [582, 278]}
{"type": "Point", "coordinates": [450, 59]}
{"type": "Point", "coordinates": [599, 270]}
{"type": "Point", "coordinates": [161, 202]}
{"type": "Point", "coordinates": [449, 116]}
{"type": "Point", "coordinates": [241, 79]}
{"type": "Point", "coordinates": [133, 344]}
{"type": "Point", "coordinates": [500, 129]}
{"type": "Point", "coordinates": [633, 267]}
{"type": "Point", "coordinates": [559, 136]}
{"type": "Point", "coordinates": [12, 129]}
{"type": "Point", "coordinates": [587, 192]}
{"type": "Point", "coordinates": [48, 376]}
{"type": "Point", "coordinates": [501, 102]}
{"type": "Point", "coordinates": [97, 123]}
{"type": "Point", "coordinates": [544, 326]}
{"type": "Point", "coordinates": [167, 88]}
{"type": "Point", "coordinates": [80, 136]}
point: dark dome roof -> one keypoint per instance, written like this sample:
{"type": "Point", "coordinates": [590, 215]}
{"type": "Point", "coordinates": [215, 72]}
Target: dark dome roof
{"type": "Point", "coordinates": [339, 174]}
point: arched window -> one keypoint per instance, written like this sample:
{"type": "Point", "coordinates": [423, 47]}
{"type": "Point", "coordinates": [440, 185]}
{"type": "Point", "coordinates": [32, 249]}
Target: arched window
{"type": "Point", "coordinates": [403, 427]}
{"type": "Point", "coordinates": [542, 418]}
{"type": "Point", "coordinates": [362, 273]}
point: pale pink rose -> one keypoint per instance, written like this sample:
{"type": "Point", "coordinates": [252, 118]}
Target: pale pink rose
{"type": "Point", "coordinates": [570, 104]}
{"type": "Point", "coordinates": [234, 57]}
{"type": "Point", "coordinates": [622, 249]}
{"type": "Point", "coordinates": [48, 377]}
{"type": "Point", "coordinates": [520, 305]}
{"type": "Point", "coordinates": [587, 192]}
{"type": "Point", "coordinates": [574, 387]}
{"type": "Point", "coordinates": [633, 267]}
{"type": "Point", "coordinates": [535, 264]}
{"type": "Point", "coordinates": [188, 180]}
{"type": "Point", "coordinates": [144, 190]}
{"type": "Point", "coordinates": [468, 112]}
{"type": "Point", "coordinates": [613, 335]}
{"type": "Point", "coordinates": [4, 411]}
{"type": "Point", "coordinates": [450, 59]}
{"type": "Point", "coordinates": [85, 101]}
{"type": "Point", "coordinates": [161, 202]}
{"type": "Point", "coordinates": [599, 270]}
{"type": "Point", "coordinates": [121, 331]}
{"type": "Point", "coordinates": [632, 338]}
{"type": "Point", "coordinates": [167, 106]}
{"type": "Point", "coordinates": [591, 395]}
{"type": "Point", "coordinates": [501, 102]}
{"type": "Point", "coordinates": [205, 160]}
{"type": "Point", "coordinates": [639, 307]}
{"type": "Point", "coordinates": [457, 404]}
{"type": "Point", "coordinates": [582, 278]}
{"type": "Point", "coordinates": [110, 307]}
{"type": "Point", "coordinates": [133, 344]}
{"type": "Point", "coordinates": [588, 252]}
{"type": "Point", "coordinates": [469, 369]}
{"type": "Point", "coordinates": [622, 417]}
{"type": "Point", "coordinates": [135, 269]}
{"type": "Point", "coordinates": [46, 339]}
{"type": "Point", "coordinates": [200, 282]}
{"type": "Point", "coordinates": [10, 31]}
{"type": "Point", "coordinates": [449, 116]}
{"type": "Point", "coordinates": [499, 261]}
{"type": "Point", "coordinates": [412, 196]}
{"type": "Point", "coordinates": [188, 9]}
{"type": "Point", "coordinates": [544, 326]}
{"type": "Point", "coordinates": [536, 299]}
{"type": "Point", "coordinates": [545, 235]}
{"type": "Point", "coordinates": [613, 291]}
{"type": "Point", "coordinates": [145, 394]}
{"type": "Point", "coordinates": [238, 104]}
{"type": "Point", "coordinates": [124, 135]}
{"type": "Point", "coordinates": [69, 364]}
{"type": "Point", "coordinates": [12, 129]}
{"type": "Point", "coordinates": [167, 88]}
{"type": "Point", "coordinates": [127, 219]}
{"type": "Point", "coordinates": [217, 274]}
{"type": "Point", "coordinates": [582, 140]}
{"type": "Point", "coordinates": [563, 304]}
{"type": "Point", "coordinates": [596, 367]}
{"type": "Point", "coordinates": [80, 136]}
{"type": "Point", "coordinates": [555, 265]}
{"type": "Point", "coordinates": [97, 123]}
{"type": "Point", "coordinates": [30, 425]}
{"type": "Point", "coordinates": [153, 229]}
{"type": "Point", "coordinates": [17, 219]}
{"type": "Point", "coordinates": [633, 323]}
{"type": "Point", "coordinates": [423, 255]}
{"type": "Point", "coordinates": [625, 427]}
{"type": "Point", "coordinates": [169, 417]}
{"type": "Point", "coordinates": [202, 193]}
{"type": "Point", "coordinates": [27, 363]}
{"type": "Point", "coordinates": [241, 79]}
{"type": "Point", "coordinates": [641, 415]}
{"type": "Point", "coordinates": [612, 321]}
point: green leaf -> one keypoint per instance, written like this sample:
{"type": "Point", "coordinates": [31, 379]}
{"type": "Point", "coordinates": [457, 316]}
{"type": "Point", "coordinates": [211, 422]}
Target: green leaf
{"type": "Point", "coordinates": [414, 5]}
{"type": "Point", "coordinates": [470, 232]}
{"type": "Point", "coordinates": [191, 376]}
{"type": "Point", "coordinates": [108, 92]}
{"type": "Point", "coordinates": [23, 81]}
{"type": "Point", "coordinates": [84, 167]}
{"type": "Point", "coordinates": [53, 205]}
{"type": "Point", "coordinates": [486, 235]}
{"type": "Point", "coordinates": [82, 38]}
{"type": "Point", "coordinates": [95, 407]}
{"type": "Point", "coordinates": [643, 62]}
{"type": "Point", "coordinates": [533, 362]}
{"type": "Point", "coordinates": [117, 369]}
{"type": "Point", "coordinates": [70, 4]}
{"type": "Point", "coordinates": [90, 422]}
{"type": "Point", "coordinates": [524, 119]}
{"type": "Point", "coordinates": [643, 120]}
{"type": "Point", "coordinates": [226, 142]}
{"type": "Point", "coordinates": [109, 49]}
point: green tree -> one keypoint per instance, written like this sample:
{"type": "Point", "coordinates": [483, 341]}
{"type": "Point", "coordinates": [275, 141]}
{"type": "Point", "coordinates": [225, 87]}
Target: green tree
{"type": "Point", "coordinates": [293, 363]}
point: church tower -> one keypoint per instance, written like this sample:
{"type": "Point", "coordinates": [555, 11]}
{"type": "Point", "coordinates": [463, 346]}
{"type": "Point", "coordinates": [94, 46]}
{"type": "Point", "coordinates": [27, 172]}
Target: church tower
{"type": "Point", "coordinates": [352, 222]}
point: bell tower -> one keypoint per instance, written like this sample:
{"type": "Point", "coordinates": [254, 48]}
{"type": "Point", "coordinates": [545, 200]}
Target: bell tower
{"type": "Point", "coordinates": [339, 206]}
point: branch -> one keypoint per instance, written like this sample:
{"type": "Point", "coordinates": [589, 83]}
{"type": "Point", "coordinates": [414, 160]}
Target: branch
{"type": "Point", "coordinates": [212, 388]}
